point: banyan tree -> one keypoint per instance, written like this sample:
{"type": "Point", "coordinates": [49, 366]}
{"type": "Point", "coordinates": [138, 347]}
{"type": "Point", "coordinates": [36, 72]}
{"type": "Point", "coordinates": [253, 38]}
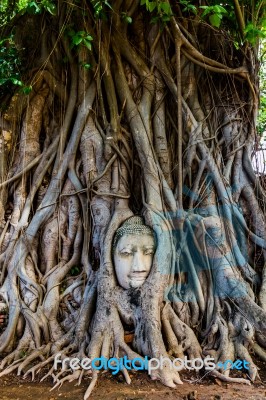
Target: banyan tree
{"type": "Point", "coordinates": [131, 109]}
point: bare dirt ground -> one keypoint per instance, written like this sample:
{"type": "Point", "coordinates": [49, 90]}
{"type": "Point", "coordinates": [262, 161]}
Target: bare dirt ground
{"type": "Point", "coordinates": [142, 388]}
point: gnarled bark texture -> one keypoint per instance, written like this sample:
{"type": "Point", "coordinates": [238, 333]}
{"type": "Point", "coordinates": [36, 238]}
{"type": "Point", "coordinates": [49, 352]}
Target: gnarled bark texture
{"type": "Point", "coordinates": [162, 124]}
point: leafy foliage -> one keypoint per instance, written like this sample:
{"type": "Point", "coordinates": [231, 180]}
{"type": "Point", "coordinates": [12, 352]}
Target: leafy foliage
{"type": "Point", "coordinates": [214, 13]}
{"type": "Point", "coordinates": [219, 14]}
{"type": "Point", "coordinates": [100, 8]}
{"type": "Point", "coordinates": [10, 64]}
{"type": "Point", "coordinates": [262, 114]}
{"type": "Point", "coordinates": [252, 33]}
{"type": "Point", "coordinates": [11, 67]}
{"type": "Point", "coordinates": [80, 38]}
{"type": "Point", "coordinates": [162, 10]}
{"type": "Point", "coordinates": [262, 109]}
{"type": "Point", "coordinates": [10, 9]}
{"type": "Point", "coordinates": [10, 56]}
{"type": "Point", "coordinates": [187, 6]}
{"type": "Point", "coordinates": [37, 7]}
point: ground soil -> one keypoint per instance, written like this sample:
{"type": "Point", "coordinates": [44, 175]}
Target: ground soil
{"type": "Point", "coordinates": [111, 387]}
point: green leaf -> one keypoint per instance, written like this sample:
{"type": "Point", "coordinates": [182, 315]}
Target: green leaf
{"type": "Point", "coordinates": [236, 44]}
{"type": "Point", "coordinates": [76, 40]}
{"type": "Point", "coordinates": [108, 5]}
{"type": "Point", "coordinates": [87, 43]}
{"type": "Point", "coordinates": [128, 19]}
{"type": "Point", "coordinates": [27, 89]}
{"type": "Point", "coordinates": [165, 7]}
{"type": "Point", "coordinates": [252, 33]}
{"type": "Point", "coordinates": [33, 8]}
{"type": "Point", "coordinates": [165, 18]}
{"type": "Point", "coordinates": [219, 9]}
{"type": "Point", "coordinates": [191, 8]}
{"type": "Point", "coordinates": [49, 6]}
{"type": "Point", "coordinates": [151, 6]}
{"type": "Point", "coordinates": [86, 66]}
{"type": "Point", "coordinates": [51, 10]}
{"type": "Point", "coordinates": [215, 20]}
{"type": "Point", "coordinates": [204, 14]}
{"type": "Point", "coordinates": [16, 82]}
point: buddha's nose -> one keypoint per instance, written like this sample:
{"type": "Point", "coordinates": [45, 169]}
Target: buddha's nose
{"type": "Point", "coordinates": [137, 262]}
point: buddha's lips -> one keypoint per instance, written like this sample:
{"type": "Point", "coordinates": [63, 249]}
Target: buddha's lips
{"type": "Point", "coordinates": [138, 277]}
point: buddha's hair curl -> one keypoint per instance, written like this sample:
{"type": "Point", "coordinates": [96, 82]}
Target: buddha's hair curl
{"type": "Point", "coordinates": [132, 226]}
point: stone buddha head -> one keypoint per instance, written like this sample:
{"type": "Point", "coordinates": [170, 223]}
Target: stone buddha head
{"type": "Point", "coordinates": [133, 249]}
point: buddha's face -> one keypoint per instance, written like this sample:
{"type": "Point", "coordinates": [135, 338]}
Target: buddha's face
{"type": "Point", "coordinates": [133, 257]}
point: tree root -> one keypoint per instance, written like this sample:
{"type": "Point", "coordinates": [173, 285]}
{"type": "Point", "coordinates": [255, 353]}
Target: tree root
{"type": "Point", "coordinates": [134, 138]}
{"type": "Point", "coordinates": [225, 378]}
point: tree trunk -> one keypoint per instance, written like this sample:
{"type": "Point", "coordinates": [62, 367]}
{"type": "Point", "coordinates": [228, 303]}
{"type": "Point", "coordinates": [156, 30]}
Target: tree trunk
{"type": "Point", "coordinates": [155, 119]}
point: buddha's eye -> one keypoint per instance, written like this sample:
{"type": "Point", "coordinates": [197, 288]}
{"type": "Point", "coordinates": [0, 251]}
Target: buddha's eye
{"type": "Point", "coordinates": [126, 253]}
{"type": "Point", "coordinates": [149, 252]}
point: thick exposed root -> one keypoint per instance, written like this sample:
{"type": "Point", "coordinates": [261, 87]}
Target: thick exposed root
{"type": "Point", "coordinates": [225, 378]}
{"type": "Point", "coordinates": [137, 127]}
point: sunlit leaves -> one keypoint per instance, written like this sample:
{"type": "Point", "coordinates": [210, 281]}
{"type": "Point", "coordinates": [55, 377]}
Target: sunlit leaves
{"type": "Point", "coordinates": [252, 34]}
{"type": "Point", "coordinates": [49, 6]}
{"type": "Point", "coordinates": [215, 14]}
{"type": "Point", "coordinates": [9, 9]}
{"type": "Point", "coordinates": [3, 5]}
{"type": "Point", "coordinates": [33, 8]}
{"type": "Point", "coordinates": [37, 7]}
